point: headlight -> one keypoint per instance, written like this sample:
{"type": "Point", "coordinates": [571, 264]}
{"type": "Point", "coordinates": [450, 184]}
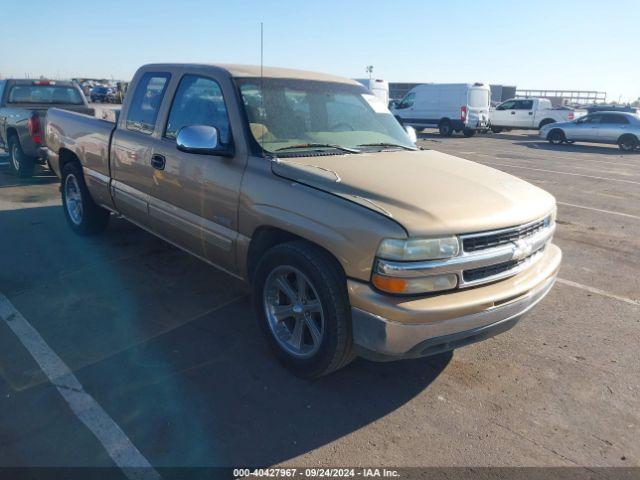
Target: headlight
{"type": "Point", "coordinates": [413, 250]}
{"type": "Point", "coordinates": [418, 249]}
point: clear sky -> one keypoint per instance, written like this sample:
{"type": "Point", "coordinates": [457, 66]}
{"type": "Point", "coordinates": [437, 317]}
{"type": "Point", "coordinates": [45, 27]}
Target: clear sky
{"type": "Point", "coordinates": [588, 44]}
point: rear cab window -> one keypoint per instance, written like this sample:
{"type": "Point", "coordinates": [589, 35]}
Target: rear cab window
{"type": "Point", "coordinates": [524, 105]}
{"type": "Point", "coordinates": [146, 101]}
{"type": "Point", "coordinates": [48, 94]}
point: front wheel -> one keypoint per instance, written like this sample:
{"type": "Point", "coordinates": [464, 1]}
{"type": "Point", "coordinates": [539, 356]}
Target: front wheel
{"type": "Point", "coordinates": [85, 217]}
{"type": "Point", "coordinates": [556, 137]}
{"type": "Point", "coordinates": [302, 306]}
{"type": "Point", "coordinates": [21, 165]}
{"type": "Point", "coordinates": [468, 132]}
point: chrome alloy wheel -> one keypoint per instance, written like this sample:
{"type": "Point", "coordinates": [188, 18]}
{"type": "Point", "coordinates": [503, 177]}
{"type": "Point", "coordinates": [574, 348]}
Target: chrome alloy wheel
{"type": "Point", "coordinates": [73, 199]}
{"type": "Point", "coordinates": [294, 312]}
{"type": "Point", "coordinates": [15, 151]}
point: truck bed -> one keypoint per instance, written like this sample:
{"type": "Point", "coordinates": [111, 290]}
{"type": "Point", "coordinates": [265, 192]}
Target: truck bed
{"type": "Point", "coordinates": [88, 137]}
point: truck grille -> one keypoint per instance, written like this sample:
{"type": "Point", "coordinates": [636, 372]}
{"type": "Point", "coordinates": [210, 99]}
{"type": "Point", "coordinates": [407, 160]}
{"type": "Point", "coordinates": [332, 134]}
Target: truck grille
{"type": "Point", "coordinates": [481, 241]}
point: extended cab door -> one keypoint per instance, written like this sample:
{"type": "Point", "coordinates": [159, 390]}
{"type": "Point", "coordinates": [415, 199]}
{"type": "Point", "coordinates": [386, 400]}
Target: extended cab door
{"type": "Point", "coordinates": [194, 197]}
{"type": "Point", "coordinates": [523, 117]}
{"type": "Point", "coordinates": [131, 147]}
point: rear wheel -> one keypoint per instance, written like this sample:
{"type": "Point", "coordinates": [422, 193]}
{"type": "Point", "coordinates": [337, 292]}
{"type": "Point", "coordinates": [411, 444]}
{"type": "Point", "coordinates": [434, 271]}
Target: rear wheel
{"type": "Point", "coordinates": [21, 165]}
{"type": "Point", "coordinates": [302, 306]}
{"type": "Point", "coordinates": [468, 132]}
{"type": "Point", "coordinates": [556, 137]}
{"type": "Point", "coordinates": [445, 128]}
{"type": "Point", "coordinates": [85, 217]}
{"type": "Point", "coordinates": [628, 143]}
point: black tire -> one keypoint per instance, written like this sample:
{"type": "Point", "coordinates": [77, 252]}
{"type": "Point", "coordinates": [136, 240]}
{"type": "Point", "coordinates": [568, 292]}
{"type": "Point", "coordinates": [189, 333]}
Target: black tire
{"type": "Point", "coordinates": [335, 349]}
{"type": "Point", "coordinates": [546, 121]}
{"type": "Point", "coordinates": [468, 132]}
{"type": "Point", "coordinates": [93, 219]}
{"type": "Point", "coordinates": [445, 128]}
{"type": "Point", "coordinates": [556, 136]}
{"type": "Point", "coordinates": [20, 164]}
{"type": "Point", "coordinates": [496, 129]}
{"type": "Point", "coordinates": [628, 143]}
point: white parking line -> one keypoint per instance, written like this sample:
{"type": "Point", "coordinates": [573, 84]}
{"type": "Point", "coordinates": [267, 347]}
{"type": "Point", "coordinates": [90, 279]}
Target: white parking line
{"type": "Point", "coordinates": [611, 212]}
{"type": "Point", "coordinates": [565, 173]}
{"type": "Point", "coordinates": [125, 455]}
{"type": "Point", "coordinates": [597, 291]}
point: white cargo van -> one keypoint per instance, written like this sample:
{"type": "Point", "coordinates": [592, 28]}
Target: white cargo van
{"type": "Point", "coordinates": [377, 86]}
{"type": "Point", "coordinates": [451, 107]}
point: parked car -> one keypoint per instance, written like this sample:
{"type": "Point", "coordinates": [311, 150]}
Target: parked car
{"type": "Point", "coordinates": [304, 185]}
{"type": "Point", "coordinates": [23, 106]}
{"type": "Point", "coordinates": [530, 113]}
{"type": "Point", "coordinates": [451, 107]}
{"type": "Point", "coordinates": [377, 86]}
{"type": "Point", "coordinates": [619, 128]}
{"type": "Point", "coordinates": [99, 94]}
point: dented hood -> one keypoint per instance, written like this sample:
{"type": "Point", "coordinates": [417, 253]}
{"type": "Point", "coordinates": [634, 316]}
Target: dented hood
{"type": "Point", "coordinates": [427, 192]}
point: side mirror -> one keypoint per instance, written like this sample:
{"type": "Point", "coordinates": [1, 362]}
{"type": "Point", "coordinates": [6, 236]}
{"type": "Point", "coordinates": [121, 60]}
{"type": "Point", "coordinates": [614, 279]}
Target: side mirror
{"type": "Point", "coordinates": [411, 132]}
{"type": "Point", "coordinates": [201, 139]}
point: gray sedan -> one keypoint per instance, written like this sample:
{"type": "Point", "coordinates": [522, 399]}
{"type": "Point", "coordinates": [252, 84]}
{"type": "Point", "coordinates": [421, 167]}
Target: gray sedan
{"type": "Point", "coordinates": [619, 128]}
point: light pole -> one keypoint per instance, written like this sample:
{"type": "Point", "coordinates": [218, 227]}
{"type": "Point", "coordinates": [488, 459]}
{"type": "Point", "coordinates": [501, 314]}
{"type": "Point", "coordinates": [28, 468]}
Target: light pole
{"type": "Point", "coordinates": [370, 71]}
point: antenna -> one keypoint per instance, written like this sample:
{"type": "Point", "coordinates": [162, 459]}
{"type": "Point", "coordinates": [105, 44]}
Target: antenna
{"type": "Point", "coordinates": [263, 127]}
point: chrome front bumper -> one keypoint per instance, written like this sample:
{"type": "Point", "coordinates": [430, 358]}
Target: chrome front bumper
{"type": "Point", "coordinates": [380, 339]}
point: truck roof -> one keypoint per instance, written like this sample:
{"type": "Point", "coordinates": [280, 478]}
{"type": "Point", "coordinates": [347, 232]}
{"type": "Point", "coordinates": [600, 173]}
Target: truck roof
{"type": "Point", "coordinates": [240, 71]}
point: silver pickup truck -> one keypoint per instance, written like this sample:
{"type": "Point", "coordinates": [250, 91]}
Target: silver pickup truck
{"type": "Point", "coordinates": [304, 185]}
{"type": "Point", "coordinates": [23, 107]}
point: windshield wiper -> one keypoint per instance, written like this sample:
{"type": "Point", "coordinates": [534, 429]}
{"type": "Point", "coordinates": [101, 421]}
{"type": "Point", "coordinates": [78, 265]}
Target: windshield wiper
{"type": "Point", "coordinates": [318, 145]}
{"type": "Point", "coordinates": [385, 144]}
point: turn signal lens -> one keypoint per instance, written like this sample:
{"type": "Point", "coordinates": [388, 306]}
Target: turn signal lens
{"type": "Point", "coordinates": [418, 248]}
{"type": "Point", "coordinates": [389, 284]}
{"type": "Point", "coordinates": [407, 286]}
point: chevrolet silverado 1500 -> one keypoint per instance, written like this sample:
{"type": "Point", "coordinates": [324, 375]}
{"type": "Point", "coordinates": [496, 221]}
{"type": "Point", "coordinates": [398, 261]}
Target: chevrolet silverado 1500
{"type": "Point", "coordinates": [304, 185]}
{"type": "Point", "coordinates": [23, 106]}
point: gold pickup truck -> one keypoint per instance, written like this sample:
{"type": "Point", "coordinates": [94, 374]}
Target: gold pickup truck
{"type": "Point", "coordinates": [304, 185]}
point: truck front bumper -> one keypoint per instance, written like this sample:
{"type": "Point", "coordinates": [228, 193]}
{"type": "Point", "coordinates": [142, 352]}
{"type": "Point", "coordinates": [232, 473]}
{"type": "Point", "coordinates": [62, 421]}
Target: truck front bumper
{"type": "Point", "coordinates": [418, 327]}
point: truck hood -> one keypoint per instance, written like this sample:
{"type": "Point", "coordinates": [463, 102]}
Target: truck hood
{"type": "Point", "coordinates": [427, 192]}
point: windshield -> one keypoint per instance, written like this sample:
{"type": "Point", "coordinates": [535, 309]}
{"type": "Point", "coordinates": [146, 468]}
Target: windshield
{"type": "Point", "coordinates": [302, 114]}
{"type": "Point", "coordinates": [47, 94]}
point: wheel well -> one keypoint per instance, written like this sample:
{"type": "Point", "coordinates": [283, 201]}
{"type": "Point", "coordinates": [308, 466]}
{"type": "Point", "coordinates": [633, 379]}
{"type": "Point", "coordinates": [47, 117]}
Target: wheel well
{"type": "Point", "coordinates": [66, 156]}
{"type": "Point", "coordinates": [555, 130]}
{"type": "Point", "coordinates": [12, 132]}
{"type": "Point", "coordinates": [265, 238]}
{"type": "Point", "coordinates": [546, 121]}
{"type": "Point", "coordinates": [627, 135]}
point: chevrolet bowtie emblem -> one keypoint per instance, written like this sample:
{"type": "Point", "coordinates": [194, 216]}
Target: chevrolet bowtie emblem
{"type": "Point", "coordinates": [523, 249]}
